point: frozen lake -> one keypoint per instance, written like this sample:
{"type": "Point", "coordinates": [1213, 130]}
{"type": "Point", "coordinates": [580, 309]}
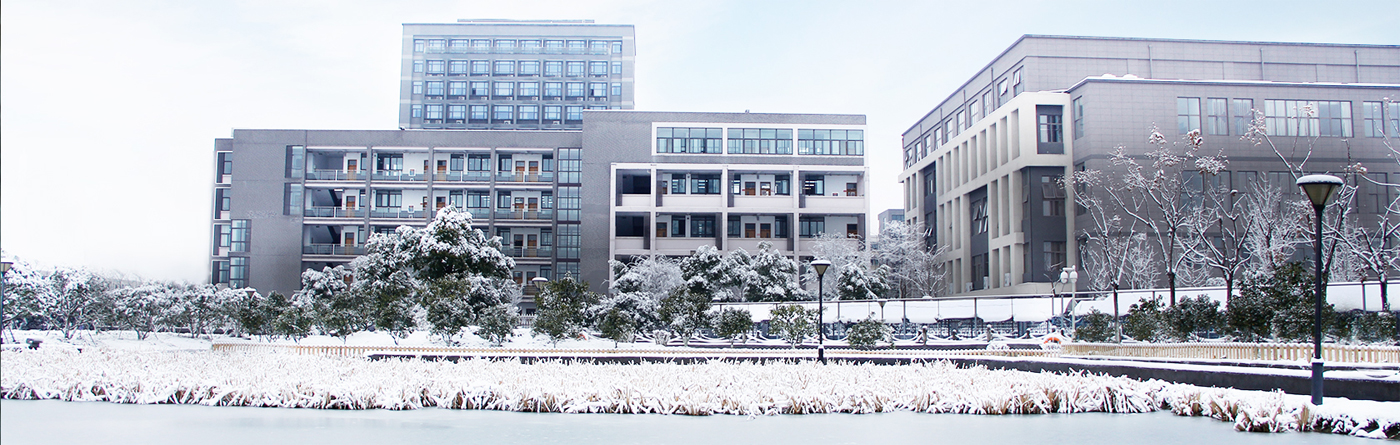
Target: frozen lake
{"type": "Point", "coordinates": [49, 421]}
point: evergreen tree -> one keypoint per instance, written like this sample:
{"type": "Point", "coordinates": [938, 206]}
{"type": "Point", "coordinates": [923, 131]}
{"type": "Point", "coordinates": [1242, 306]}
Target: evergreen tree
{"type": "Point", "coordinates": [617, 326]}
{"type": "Point", "coordinates": [733, 324]}
{"type": "Point", "coordinates": [1144, 321]}
{"type": "Point", "coordinates": [774, 277]}
{"type": "Point", "coordinates": [855, 282]}
{"type": "Point", "coordinates": [1192, 315]}
{"type": "Point", "coordinates": [793, 323]}
{"type": "Point", "coordinates": [685, 312]}
{"type": "Point", "coordinates": [333, 307]}
{"type": "Point", "coordinates": [497, 322]}
{"type": "Point", "coordinates": [705, 273]}
{"type": "Point", "coordinates": [1095, 327]}
{"type": "Point", "coordinates": [867, 334]}
{"type": "Point", "coordinates": [563, 307]}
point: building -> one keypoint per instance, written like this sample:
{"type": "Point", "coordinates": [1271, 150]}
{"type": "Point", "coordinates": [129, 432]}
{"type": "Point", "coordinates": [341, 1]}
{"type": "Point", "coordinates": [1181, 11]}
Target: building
{"type": "Point", "coordinates": [508, 75]}
{"type": "Point", "coordinates": [628, 184]}
{"type": "Point", "coordinates": [981, 169]}
{"type": "Point", "coordinates": [890, 215]}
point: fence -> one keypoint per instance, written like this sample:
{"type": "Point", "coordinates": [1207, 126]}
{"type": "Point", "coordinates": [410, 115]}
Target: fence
{"type": "Point", "coordinates": [1241, 351]}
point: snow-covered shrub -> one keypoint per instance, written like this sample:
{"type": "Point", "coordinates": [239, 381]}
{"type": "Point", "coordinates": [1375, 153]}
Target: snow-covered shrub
{"type": "Point", "coordinates": [793, 323]}
{"type": "Point", "coordinates": [563, 306]}
{"type": "Point", "coordinates": [1192, 315]}
{"type": "Point", "coordinates": [497, 322]}
{"type": "Point", "coordinates": [733, 324]}
{"type": "Point", "coordinates": [617, 326]}
{"type": "Point", "coordinates": [855, 282]}
{"type": "Point", "coordinates": [774, 277]}
{"type": "Point", "coordinates": [1144, 320]}
{"type": "Point", "coordinates": [1374, 326]}
{"type": "Point", "coordinates": [685, 312]}
{"type": "Point", "coordinates": [867, 334]}
{"type": "Point", "coordinates": [1094, 327]}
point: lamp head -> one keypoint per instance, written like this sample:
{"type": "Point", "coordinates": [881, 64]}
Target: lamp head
{"type": "Point", "coordinates": [1319, 188]}
{"type": "Point", "coordinates": [820, 266]}
{"type": "Point", "coordinates": [539, 281]}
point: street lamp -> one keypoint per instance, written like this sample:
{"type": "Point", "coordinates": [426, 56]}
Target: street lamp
{"type": "Point", "coordinates": [1071, 276]}
{"type": "Point", "coordinates": [1319, 189]}
{"type": "Point", "coordinates": [820, 266]}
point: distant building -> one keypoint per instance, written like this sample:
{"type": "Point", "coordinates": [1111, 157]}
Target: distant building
{"type": "Point", "coordinates": [509, 74]}
{"type": "Point", "coordinates": [891, 215]}
{"type": "Point", "coordinates": [981, 168]}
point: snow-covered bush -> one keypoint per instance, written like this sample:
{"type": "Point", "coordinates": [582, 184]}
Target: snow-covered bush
{"type": "Point", "coordinates": [1095, 327]}
{"type": "Point", "coordinates": [1192, 315]}
{"type": "Point", "coordinates": [733, 324]}
{"type": "Point", "coordinates": [617, 326]}
{"type": "Point", "coordinates": [1144, 320]}
{"type": "Point", "coordinates": [867, 334]}
{"type": "Point", "coordinates": [497, 322]}
{"type": "Point", "coordinates": [855, 282]}
{"type": "Point", "coordinates": [793, 323]}
{"type": "Point", "coordinates": [774, 277]}
{"type": "Point", "coordinates": [563, 308]}
{"type": "Point", "coordinates": [685, 312]}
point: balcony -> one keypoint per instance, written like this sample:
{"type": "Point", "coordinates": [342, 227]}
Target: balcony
{"type": "Point", "coordinates": [750, 245]}
{"type": "Point", "coordinates": [529, 252]}
{"type": "Point", "coordinates": [462, 176]}
{"type": "Point", "coordinates": [629, 243]}
{"type": "Point", "coordinates": [333, 249]}
{"type": "Point", "coordinates": [702, 201]}
{"type": "Point", "coordinates": [396, 213]}
{"type": "Point", "coordinates": [332, 212]}
{"type": "Point", "coordinates": [836, 204]}
{"type": "Point", "coordinates": [527, 215]}
{"type": "Point", "coordinates": [678, 246]}
{"type": "Point", "coordinates": [763, 202]}
{"type": "Point", "coordinates": [525, 177]}
{"type": "Point", "coordinates": [637, 200]}
{"type": "Point", "coordinates": [397, 175]}
{"type": "Point", "coordinates": [335, 175]}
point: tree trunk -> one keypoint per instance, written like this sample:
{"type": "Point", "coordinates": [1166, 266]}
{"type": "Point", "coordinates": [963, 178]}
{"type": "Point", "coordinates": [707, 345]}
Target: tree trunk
{"type": "Point", "coordinates": [1385, 301]}
{"type": "Point", "coordinates": [1171, 285]}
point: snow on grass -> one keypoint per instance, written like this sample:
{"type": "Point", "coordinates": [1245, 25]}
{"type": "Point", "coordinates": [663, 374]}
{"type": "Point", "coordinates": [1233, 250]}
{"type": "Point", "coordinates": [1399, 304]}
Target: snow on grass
{"type": "Point", "coordinates": [739, 388]}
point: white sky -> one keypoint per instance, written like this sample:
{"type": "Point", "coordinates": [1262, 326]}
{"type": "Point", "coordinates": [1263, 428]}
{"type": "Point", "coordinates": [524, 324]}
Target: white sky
{"type": "Point", "coordinates": [109, 109]}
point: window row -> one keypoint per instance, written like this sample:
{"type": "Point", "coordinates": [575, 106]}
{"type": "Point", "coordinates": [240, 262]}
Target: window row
{"type": "Point", "coordinates": [513, 90]}
{"type": "Point", "coordinates": [517, 46]}
{"type": "Point", "coordinates": [760, 141]}
{"type": "Point", "coordinates": [233, 272]}
{"type": "Point", "coordinates": [500, 114]}
{"type": "Point", "coordinates": [1285, 117]}
{"type": "Point", "coordinates": [964, 117]}
{"type": "Point", "coordinates": [547, 68]}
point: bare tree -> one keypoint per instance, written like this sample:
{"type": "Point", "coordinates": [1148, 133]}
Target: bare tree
{"type": "Point", "coordinates": [915, 268]}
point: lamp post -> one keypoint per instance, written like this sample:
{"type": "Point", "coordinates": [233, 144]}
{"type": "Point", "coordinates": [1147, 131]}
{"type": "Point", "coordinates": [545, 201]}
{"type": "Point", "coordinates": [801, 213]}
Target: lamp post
{"type": "Point", "coordinates": [1071, 276]}
{"type": "Point", "coordinates": [1319, 189]}
{"type": "Point", "coordinates": [539, 283]}
{"type": "Point", "coordinates": [820, 266]}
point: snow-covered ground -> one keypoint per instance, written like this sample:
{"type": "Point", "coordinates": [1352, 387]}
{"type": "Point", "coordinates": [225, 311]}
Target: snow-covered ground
{"type": "Point", "coordinates": [126, 375]}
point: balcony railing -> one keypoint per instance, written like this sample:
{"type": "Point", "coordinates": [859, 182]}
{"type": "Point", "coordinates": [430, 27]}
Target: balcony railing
{"type": "Point", "coordinates": [395, 213]}
{"type": "Point", "coordinates": [335, 175]}
{"type": "Point", "coordinates": [397, 175]}
{"type": "Point", "coordinates": [332, 212]}
{"type": "Point", "coordinates": [333, 249]}
{"type": "Point", "coordinates": [542, 214]}
{"type": "Point", "coordinates": [525, 177]}
{"type": "Point", "coordinates": [461, 176]}
{"type": "Point", "coordinates": [529, 252]}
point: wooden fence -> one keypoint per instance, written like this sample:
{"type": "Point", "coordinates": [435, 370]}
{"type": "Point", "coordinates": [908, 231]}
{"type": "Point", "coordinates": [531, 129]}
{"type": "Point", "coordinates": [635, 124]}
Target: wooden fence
{"type": "Point", "coordinates": [1331, 353]}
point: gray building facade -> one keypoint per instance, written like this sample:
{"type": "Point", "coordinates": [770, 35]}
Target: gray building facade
{"type": "Point", "coordinates": [506, 74]}
{"type": "Point", "coordinates": [982, 167]}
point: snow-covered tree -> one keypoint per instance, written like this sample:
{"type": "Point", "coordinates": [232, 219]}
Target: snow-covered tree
{"type": "Point", "coordinates": [564, 308]}
{"type": "Point", "coordinates": [335, 309]}
{"type": "Point", "coordinates": [774, 277]}
{"type": "Point", "coordinates": [63, 297]}
{"type": "Point", "coordinates": [793, 323]}
{"type": "Point", "coordinates": [685, 312]}
{"type": "Point", "coordinates": [638, 289]}
{"type": "Point", "coordinates": [867, 334]}
{"type": "Point", "coordinates": [855, 282]}
{"type": "Point", "coordinates": [733, 324]}
{"type": "Point", "coordinates": [617, 326]}
{"type": "Point", "coordinates": [707, 273]}
{"type": "Point", "coordinates": [498, 322]}
{"type": "Point", "coordinates": [202, 308]}
{"type": "Point", "coordinates": [915, 269]}
{"type": "Point", "coordinates": [452, 304]}
{"type": "Point", "coordinates": [140, 308]}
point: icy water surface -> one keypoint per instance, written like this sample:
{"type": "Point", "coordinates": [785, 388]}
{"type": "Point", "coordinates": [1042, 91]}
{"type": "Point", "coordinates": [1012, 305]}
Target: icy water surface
{"type": "Point", "coordinates": [58, 422]}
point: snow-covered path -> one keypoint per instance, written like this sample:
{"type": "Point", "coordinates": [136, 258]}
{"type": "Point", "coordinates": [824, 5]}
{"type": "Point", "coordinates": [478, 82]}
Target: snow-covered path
{"type": "Point", "coordinates": [285, 380]}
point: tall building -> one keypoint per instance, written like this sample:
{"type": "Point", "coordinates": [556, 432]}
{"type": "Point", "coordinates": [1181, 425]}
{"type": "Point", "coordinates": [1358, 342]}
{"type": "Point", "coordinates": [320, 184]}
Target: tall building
{"type": "Point", "coordinates": [629, 184]}
{"type": "Point", "coordinates": [981, 169]}
{"type": "Point", "coordinates": [513, 75]}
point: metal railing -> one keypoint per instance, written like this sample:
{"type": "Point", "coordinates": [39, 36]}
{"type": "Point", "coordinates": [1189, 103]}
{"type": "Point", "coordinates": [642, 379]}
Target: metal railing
{"type": "Point", "coordinates": [525, 177]}
{"type": "Point", "coordinates": [335, 175]}
{"type": "Point", "coordinates": [1241, 351]}
{"type": "Point", "coordinates": [397, 175]}
{"type": "Point", "coordinates": [462, 176]}
{"type": "Point", "coordinates": [332, 212]}
{"type": "Point", "coordinates": [542, 214]}
{"type": "Point", "coordinates": [333, 249]}
{"type": "Point", "coordinates": [395, 213]}
{"type": "Point", "coordinates": [528, 252]}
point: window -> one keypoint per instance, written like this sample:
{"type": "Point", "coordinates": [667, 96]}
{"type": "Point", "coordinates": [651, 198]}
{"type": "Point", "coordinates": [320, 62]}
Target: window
{"type": "Point", "coordinates": [782, 184]}
{"type": "Point", "coordinates": [704, 184]}
{"type": "Point", "coordinates": [457, 88]}
{"type": "Point", "coordinates": [568, 203]}
{"type": "Point", "coordinates": [292, 199]}
{"type": "Point", "coordinates": [1078, 109]}
{"type": "Point", "coordinates": [435, 67]}
{"type": "Point", "coordinates": [504, 89]}
{"type": "Point", "coordinates": [1016, 85]}
{"type": "Point", "coordinates": [573, 113]}
{"type": "Point", "coordinates": [481, 67]}
{"type": "Point", "coordinates": [388, 198]}
{"type": "Point", "coordinates": [831, 142]}
{"type": "Point", "coordinates": [458, 45]}
{"type": "Point", "coordinates": [1392, 114]}
{"type": "Point", "coordinates": [987, 106]}
{"type": "Point", "coordinates": [1373, 123]}
{"type": "Point", "coordinates": [457, 67]}
{"type": "Point", "coordinates": [416, 111]}
{"type": "Point", "coordinates": [570, 165]}
{"type": "Point", "coordinates": [617, 89]}
{"type": "Point", "coordinates": [734, 223]}
{"type": "Point", "coordinates": [434, 112]}
{"type": "Point", "coordinates": [479, 163]}
{"type": "Point", "coordinates": [978, 211]}
{"type": "Point", "coordinates": [238, 272]}
{"type": "Point", "coordinates": [530, 46]}
{"type": "Point", "coordinates": [574, 90]}
{"type": "Point", "coordinates": [1052, 196]}
{"type": "Point", "coordinates": [435, 88]}
{"type": "Point", "coordinates": [678, 184]}
{"type": "Point", "coordinates": [480, 89]}
{"type": "Point", "coordinates": [598, 47]}
{"type": "Point", "coordinates": [456, 162]}
{"type": "Point", "coordinates": [1334, 118]}
{"type": "Point", "coordinates": [417, 87]}
{"type": "Point", "coordinates": [224, 164]}
{"type": "Point", "coordinates": [974, 112]}
{"type": "Point", "coordinates": [481, 45]}
{"type": "Point", "coordinates": [553, 68]}
{"type": "Point", "coordinates": [702, 226]}
{"type": "Point", "coordinates": [1377, 194]}
{"type": "Point", "coordinates": [417, 66]}
{"type": "Point", "coordinates": [575, 47]}
{"type": "Point", "coordinates": [1217, 122]}
{"type": "Point", "coordinates": [239, 232]}
{"type": "Point", "coordinates": [814, 185]}
{"type": "Point", "coordinates": [437, 45]}
{"type": "Point", "coordinates": [959, 121]}
{"type": "Point", "coordinates": [503, 199]}
{"type": "Point", "coordinates": [478, 113]}
{"type": "Point", "coordinates": [296, 161]}
{"type": "Point", "coordinates": [1188, 114]}
{"type": "Point", "coordinates": [1002, 87]}
{"type": "Point", "coordinates": [598, 69]}
{"type": "Point", "coordinates": [529, 89]}
{"type": "Point", "coordinates": [553, 113]}
{"type": "Point", "coordinates": [554, 46]}
{"type": "Point", "coordinates": [688, 140]}
{"type": "Point", "coordinates": [502, 113]}
{"type": "Point", "coordinates": [222, 200]}
{"type": "Point", "coordinates": [598, 90]}
{"type": "Point", "coordinates": [419, 46]}
{"type": "Point", "coordinates": [504, 68]}
{"type": "Point", "coordinates": [573, 68]}
{"type": "Point", "coordinates": [617, 68]}
{"type": "Point", "coordinates": [1290, 118]}
{"type": "Point", "coordinates": [616, 47]}
{"type": "Point", "coordinates": [760, 141]}
{"type": "Point", "coordinates": [1051, 127]}
{"type": "Point", "coordinates": [457, 113]}
{"type": "Point", "coordinates": [529, 68]}
{"type": "Point", "coordinates": [1054, 254]}
{"type": "Point", "coordinates": [811, 227]}
{"type": "Point", "coordinates": [504, 46]}
{"type": "Point", "coordinates": [530, 113]}
{"type": "Point", "coordinates": [1243, 112]}
{"type": "Point", "coordinates": [553, 90]}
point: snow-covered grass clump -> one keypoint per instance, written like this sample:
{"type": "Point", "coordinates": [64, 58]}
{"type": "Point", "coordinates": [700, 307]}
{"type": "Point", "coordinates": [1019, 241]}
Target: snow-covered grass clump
{"type": "Point", "coordinates": [717, 387]}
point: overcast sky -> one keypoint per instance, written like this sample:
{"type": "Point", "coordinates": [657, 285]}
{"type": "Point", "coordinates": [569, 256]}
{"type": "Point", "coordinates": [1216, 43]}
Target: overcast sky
{"type": "Point", "coordinates": [109, 108]}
